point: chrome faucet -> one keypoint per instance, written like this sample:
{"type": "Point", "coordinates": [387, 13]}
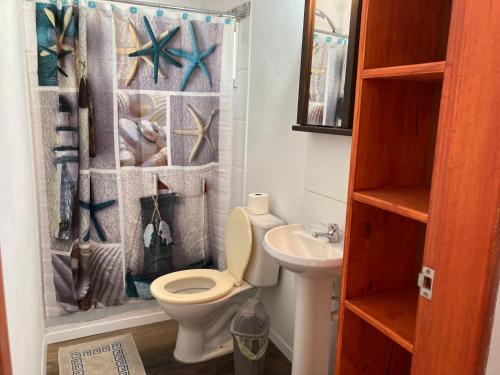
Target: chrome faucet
{"type": "Point", "coordinates": [332, 234]}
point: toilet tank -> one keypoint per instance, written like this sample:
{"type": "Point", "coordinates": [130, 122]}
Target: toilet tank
{"type": "Point", "coordinates": [262, 269]}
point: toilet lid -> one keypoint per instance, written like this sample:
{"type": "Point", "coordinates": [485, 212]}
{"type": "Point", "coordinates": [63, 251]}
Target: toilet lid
{"type": "Point", "coordinates": [238, 243]}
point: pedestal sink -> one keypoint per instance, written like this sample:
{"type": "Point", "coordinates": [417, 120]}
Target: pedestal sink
{"type": "Point", "coordinates": [316, 263]}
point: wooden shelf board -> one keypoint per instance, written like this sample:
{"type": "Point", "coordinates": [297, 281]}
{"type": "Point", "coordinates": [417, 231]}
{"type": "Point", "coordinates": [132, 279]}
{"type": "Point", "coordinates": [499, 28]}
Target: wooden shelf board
{"type": "Point", "coordinates": [432, 71]}
{"type": "Point", "coordinates": [409, 202]}
{"type": "Point", "coordinates": [392, 313]}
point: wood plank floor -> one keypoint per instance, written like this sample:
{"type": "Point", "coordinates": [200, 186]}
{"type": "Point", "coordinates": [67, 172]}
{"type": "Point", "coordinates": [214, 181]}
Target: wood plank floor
{"type": "Point", "coordinates": [156, 343]}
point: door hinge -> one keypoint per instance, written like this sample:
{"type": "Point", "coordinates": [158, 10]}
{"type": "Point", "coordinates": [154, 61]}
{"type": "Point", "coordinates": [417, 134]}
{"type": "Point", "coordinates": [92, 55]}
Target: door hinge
{"type": "Point", "coordinates": [425, 280]}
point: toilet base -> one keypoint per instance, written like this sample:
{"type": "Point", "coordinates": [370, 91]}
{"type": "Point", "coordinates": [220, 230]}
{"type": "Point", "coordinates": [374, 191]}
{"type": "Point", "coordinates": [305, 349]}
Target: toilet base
{"type": "Point", "coordinates": [187, 357]}
{"type": "Point", "coordinates": [201, 340]}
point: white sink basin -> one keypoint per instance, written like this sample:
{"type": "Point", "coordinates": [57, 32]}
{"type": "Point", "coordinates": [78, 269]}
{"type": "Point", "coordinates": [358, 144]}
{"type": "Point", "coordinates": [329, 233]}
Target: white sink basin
{"type": "Point", "coordinates": [315, 262]}
{"type": "Point", "coordinates": [295, 249]}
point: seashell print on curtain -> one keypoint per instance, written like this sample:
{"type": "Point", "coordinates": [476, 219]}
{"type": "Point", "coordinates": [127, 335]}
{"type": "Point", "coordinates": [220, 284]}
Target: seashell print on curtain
{"type": "Point", "coordinates": [132, 110]}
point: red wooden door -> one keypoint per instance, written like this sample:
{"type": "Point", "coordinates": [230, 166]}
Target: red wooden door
{"type": "Point", "coordinates": [463, 233]}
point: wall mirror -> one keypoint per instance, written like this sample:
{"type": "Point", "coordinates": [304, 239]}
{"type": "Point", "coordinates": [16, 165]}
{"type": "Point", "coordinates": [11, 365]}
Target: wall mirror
{"type": "Point", "coordinates": [328, 66]}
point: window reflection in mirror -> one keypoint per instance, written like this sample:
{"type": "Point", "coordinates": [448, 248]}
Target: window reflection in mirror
{"type": "Point", "coordinates": [329, 62]}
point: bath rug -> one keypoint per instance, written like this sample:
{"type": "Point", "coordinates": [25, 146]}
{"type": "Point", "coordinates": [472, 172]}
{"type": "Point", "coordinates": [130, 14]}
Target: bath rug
{"type": "Point", "coordinates": [113, 355]}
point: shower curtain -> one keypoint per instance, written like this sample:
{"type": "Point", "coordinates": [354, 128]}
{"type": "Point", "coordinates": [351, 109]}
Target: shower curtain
{"type": "Point", "coordinates": [132, 120]}
{"type": "Point", "coordinates": [326, 91]}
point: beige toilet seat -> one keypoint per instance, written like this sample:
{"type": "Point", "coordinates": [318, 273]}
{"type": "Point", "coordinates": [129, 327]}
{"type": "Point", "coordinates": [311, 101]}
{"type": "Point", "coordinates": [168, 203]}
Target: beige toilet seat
{"type": "Point", "coordinates": [206, 285]}
{"type": "Point", "coordinates": [192, 286]}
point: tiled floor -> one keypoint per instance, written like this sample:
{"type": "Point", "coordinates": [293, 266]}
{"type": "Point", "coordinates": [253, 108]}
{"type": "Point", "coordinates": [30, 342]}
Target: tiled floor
{"type": "Point", "coordinates": [156, 343]}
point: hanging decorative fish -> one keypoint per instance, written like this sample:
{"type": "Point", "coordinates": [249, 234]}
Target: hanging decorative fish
{"type": "Point", "coordinates": [148, 235]}
{"type": "Point", "coordinates": [165, 233]}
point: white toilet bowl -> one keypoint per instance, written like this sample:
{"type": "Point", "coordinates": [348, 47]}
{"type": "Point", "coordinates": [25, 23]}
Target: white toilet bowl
{"type": "Point", "coordinates": [204, 301]}
{"type": "Point", "coordinates": [203, 326]}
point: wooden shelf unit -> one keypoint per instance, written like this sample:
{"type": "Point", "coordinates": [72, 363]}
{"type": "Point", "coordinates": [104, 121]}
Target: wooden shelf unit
{"type": "Point", "coordinates": [396, 133]}
{"type": "Point", "coordinates": [385, 254]}
{"type": "Point", "coordinates": [404, 32]}
{"type": "Point", "coordinates": [401, 67]}
{"type": "Point", "coordinates": [423, 182]}
{"type": "Point", "coordinates": [432, 71]}
{"type": "Point", "coordinates": [392, 313]}
{"type": "Point", "coordinates": [409, 202]}
{"type": "Point", "coordinates": [370, 351]}
{"type": "Point", "coordinates": [384, 258]}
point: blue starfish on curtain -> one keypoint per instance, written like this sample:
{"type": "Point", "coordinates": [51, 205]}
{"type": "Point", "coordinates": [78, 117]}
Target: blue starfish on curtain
{"type": "Point", "coordinates": [94, 208]}
{"type": "Point", "coordinates": [57, 30]}
{"type": "Point", "coordinates": [195, 57]}
{"type": "Point", "coordinates": [156, 50]}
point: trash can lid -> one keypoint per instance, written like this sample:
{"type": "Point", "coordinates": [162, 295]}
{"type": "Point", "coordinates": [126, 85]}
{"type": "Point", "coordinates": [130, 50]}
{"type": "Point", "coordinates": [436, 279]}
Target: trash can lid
{"type": "Point", "coordinates": [251, 320]}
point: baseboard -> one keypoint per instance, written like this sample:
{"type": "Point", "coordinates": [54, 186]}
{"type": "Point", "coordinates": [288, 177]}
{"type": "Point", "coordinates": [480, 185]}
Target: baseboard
{"type": "Point", "coordinates": [108, 324]}
{"type": "Point", "coordinates": [281, 345]}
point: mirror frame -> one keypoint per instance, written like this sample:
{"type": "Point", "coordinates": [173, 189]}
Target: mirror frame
{"type": "Point", "coordinates": [350, 79]}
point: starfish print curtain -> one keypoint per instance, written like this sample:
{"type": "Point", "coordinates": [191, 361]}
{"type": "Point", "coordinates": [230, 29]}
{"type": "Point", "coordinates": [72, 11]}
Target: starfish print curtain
{"type": "Point", "coordinates": [132, 119]}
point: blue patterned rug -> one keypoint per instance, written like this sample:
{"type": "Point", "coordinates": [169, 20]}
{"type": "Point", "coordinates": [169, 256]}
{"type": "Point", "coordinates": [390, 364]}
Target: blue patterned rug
{"type": "Point", "coordinates": [113, 355]}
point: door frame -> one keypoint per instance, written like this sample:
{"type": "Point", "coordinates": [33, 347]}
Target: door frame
{"type": "Point", "coordinates": [5, 364]}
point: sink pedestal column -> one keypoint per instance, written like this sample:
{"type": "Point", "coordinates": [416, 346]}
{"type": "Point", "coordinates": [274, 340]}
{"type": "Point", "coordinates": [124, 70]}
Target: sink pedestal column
{"type": "Point", "coordinates": [311, 342]}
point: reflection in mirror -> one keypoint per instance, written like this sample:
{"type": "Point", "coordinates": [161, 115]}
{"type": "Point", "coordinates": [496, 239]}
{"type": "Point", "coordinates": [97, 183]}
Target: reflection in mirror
{"type": "Point", "coordinates": [328, 62]}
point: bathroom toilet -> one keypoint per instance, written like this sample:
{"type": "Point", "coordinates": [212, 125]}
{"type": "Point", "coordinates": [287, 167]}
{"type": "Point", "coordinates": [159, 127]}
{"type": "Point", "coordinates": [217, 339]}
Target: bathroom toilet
{"type": "Point", "coordinates": [204, 301]}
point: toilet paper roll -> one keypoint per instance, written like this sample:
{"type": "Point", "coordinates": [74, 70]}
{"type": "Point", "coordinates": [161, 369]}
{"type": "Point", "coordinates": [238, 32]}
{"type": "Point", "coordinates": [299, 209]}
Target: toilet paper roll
{"type": "Point", "coordinates": [258, 203]}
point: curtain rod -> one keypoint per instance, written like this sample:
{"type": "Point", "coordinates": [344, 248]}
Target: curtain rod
{"type": "Point", "coordinates": [237, 13]}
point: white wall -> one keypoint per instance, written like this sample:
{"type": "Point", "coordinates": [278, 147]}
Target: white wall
{"type": "Point", "coordinates": [18, 224]}
{"type": "Point", "coordinates": [185, 3]}
{"type": "Point", "coordinates": [240, 99]}
{"type": "Point", "coordinates": [493, 366]}
{"type": "Point", "coordinates": [305, 174]}
{"type": "Point", "coordinates": [338, 11]}
{"type": "Point", "coordinates": [275, 154]}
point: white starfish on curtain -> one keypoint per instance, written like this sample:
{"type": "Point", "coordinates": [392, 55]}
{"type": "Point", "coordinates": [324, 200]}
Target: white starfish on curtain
{"type": "Point", "coordinates": [201, 131]}
{"type": "Point", "coordinates": [136, 47]}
